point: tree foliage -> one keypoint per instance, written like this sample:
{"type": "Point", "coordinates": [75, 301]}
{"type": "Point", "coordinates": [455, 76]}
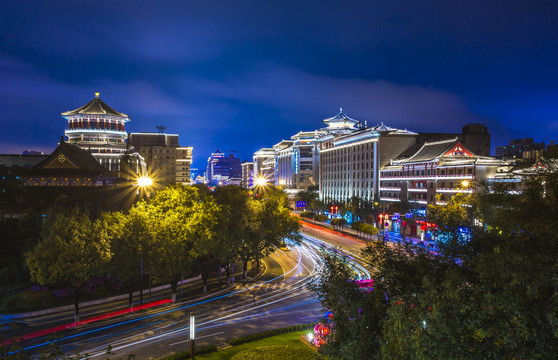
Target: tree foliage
{"type": "Point", "coordinates": [72, 249]}
{"type": "Point", "coordinates": [490, 294]}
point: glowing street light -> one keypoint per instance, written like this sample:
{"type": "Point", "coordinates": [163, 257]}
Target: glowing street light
{"type": "Point", "coordinates": [261, 181]}
{"type": "Point", "coordinates": [145, 181]}
{"type": "Point", "coordinates": [192, 334]}
{"type": "Point", "coordinates": [465, 183]}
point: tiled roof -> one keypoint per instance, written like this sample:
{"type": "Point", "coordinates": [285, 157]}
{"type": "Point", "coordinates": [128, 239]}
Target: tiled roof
{"type": "Point", "coordinates": [430, 151]}
{"type": "Point", "coordinates": [340, 117]}
{"type": "Point", "coordinates": [95, 107]}
{"type": "Point", "coordinates": [72, 159]}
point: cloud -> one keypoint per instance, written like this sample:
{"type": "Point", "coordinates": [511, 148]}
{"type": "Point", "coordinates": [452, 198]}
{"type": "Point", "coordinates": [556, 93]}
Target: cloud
{"type": "Point", "coordinates": [296, 91]}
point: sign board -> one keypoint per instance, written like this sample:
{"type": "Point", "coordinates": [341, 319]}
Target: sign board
{"type": "Point", "coordinates": [409, 215]}
{"type": "Point", "coordinates": [395, 216]}
{"type": "Point", "coordinates": [301, 204]}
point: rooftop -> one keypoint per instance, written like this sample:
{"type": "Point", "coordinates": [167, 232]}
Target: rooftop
{"type": "Point", "coordinates": [95, 107]}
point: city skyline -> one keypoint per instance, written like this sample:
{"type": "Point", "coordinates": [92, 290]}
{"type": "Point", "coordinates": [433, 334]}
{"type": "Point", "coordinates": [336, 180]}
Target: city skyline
{"type": "Point", "coordinates": [244, 76]}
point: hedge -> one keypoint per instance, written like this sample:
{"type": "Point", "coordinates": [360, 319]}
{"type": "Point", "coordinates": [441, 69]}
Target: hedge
{"type": "Point", "coordinates": [320, 217]}
{"type": "Point", "coordinates": [275, 353]}
{"type": "Point", "coordinates": [307, 214]}
{"type": "Point", "coordinates": [249, 338]}
{"type": "Point", "coordinates": [186, 355]}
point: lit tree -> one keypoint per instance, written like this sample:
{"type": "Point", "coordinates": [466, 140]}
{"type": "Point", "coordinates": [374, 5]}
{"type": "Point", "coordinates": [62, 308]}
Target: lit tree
{"type": "Point", "coordinates": [72, 250]}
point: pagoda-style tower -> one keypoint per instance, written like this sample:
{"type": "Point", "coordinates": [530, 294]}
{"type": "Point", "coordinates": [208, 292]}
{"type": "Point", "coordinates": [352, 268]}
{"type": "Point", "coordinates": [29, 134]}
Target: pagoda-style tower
{"type": "Point", "coordinates": [99, 129]}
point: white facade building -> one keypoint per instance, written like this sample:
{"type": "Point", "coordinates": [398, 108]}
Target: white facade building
{"type": "Point", "coordinates": [350, 165]}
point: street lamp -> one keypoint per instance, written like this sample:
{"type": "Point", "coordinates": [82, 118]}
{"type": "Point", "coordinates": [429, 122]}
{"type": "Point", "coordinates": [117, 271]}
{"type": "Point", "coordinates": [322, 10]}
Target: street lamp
{"type": "Point", "coordinates": [192, 334]}
{"type": "Point", "coordinates": [144, 181]}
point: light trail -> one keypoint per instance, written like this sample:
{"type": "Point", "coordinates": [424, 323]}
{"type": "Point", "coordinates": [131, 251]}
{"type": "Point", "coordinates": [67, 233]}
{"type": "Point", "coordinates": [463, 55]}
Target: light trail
{"type": "Point", "coordinates": [296, 277]}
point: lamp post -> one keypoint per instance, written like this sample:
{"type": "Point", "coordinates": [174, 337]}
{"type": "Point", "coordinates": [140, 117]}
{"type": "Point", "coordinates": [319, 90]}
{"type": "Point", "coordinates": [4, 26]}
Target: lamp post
{"type": "Point", "coordinates": [143, 183]}
{"type": "Point", "coordinates": [192, 334]}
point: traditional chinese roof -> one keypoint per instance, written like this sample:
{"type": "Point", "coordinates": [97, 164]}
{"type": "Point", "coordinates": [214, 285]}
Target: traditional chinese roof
{"type": "Point", "coordinates": [341, 117]}
{"type": "Point", "coordinates": [95, 107]}
{"type": "Point", "coordinates": [70, 159]}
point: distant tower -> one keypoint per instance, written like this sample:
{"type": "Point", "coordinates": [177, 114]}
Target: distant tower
{"type": "Point", "coordinates": [100, 129]}
{"type": "Point", "coordinates": [161, 129]}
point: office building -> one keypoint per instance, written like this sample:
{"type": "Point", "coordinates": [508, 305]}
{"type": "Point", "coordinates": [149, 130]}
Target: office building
{"type": "Point", "coordinates": [167, 162]}
{"type": "Point", "coordinates": [222, 169]}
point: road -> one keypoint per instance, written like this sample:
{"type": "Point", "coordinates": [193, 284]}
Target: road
{"type": "Point", "coordinates": [280, 298]}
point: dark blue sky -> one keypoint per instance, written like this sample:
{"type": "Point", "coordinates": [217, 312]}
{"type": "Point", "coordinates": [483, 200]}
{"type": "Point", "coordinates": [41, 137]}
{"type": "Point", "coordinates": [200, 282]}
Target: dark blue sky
{"type": "Point", "coordinates": [241, 75]}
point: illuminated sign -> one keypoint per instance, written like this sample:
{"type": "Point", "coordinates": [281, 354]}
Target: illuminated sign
{"type": "Point", "coordinates": [301, 204]}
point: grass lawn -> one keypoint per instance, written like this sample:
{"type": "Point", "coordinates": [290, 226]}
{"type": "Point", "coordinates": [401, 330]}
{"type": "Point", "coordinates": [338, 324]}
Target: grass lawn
{"type": "Point", "coordinates": [292, 339]}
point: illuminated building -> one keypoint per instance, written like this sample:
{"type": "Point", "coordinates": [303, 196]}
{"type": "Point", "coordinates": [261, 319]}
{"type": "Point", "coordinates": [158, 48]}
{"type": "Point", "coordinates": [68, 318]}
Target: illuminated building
{"type": "Point", "coordinates": [69, 166]}
{"type": "Point", "coordinates": [473, 136]}
{"type": "Point", "coordinates": [247, 174]}
{"type": "Point", "coordinates": [264, 165]}
{"type": "Point", "coordinates": [350, 165]}
{"type": "Point", "coordinates": [167, 161]}
{"type": "Point", "coordinates": [99, 129]}
{"type": "Point", "coordinates": [521, 148]}
{"type": "Point", "coordinates": [223, 170]}
{"type": "Point", "coordinates": [438, 168]}
{"type": "Point", "coordinates": [295, 164]}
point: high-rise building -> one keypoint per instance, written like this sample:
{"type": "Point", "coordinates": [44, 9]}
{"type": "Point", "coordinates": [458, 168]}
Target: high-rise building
{"type": "Point", "coordinates": [167, 161]}
{"type": "Point", "coordinates": [98, 128]}
{"type": "Point", "coordinates": [223, 169]}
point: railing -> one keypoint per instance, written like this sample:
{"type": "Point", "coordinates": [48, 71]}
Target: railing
{"type": "Point", "coordinates": [389, 199]}
{"type": "Point", "coordinates": [390, 188]}
{"type": "Point", "coordinates": [435, 176]}
{"type": "Point", "coordinates": [418, 189]}
{"type": "Point", "coordinates": [451, 190]}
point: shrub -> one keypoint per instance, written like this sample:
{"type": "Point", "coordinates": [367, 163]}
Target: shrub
{"type": "Point", "coordinates": [307, 214]}
{"type": "Point", "coordinates": [186, 355]}
{"type": "Point", "coordinates": [320, 217]}
{"type": "Point", "coordinates": [356, 226]}
{"type": "Point", "coordinates": [266, 334]}
{"type": "Point", "coordinates": [275, 353]}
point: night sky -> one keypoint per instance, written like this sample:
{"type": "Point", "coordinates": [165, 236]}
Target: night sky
{"type": "Point", "coordinates": [242, 75]}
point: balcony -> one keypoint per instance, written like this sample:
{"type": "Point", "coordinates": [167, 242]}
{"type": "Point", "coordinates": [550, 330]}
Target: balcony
{"type": "Point", "coordinates": [455, 176]}
{"type": "Point", "coordinates": [454, 190]}
{"type": "Point", "coordinates": [408, 177]}
{"type": "Point", "coordinates": [389, 198]}
{"type": "Point", "coordinates": [417, 189]}
{"type": "Point", "coordinates": [389, 188]}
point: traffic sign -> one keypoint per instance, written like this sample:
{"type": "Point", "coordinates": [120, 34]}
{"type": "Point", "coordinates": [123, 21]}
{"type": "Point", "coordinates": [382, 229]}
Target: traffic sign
{"type": "Point", "coordinates": [409, 215]}
{"type": "Point", "coordinates": [301, 204]}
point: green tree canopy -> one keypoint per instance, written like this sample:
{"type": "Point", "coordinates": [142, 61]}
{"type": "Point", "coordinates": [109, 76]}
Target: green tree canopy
{"type": "Point", "coordinates": [72, 250]}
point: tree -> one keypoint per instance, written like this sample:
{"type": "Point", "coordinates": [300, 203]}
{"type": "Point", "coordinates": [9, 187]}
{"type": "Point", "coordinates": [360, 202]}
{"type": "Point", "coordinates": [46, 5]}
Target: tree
{"type": "Point", "coordinates": [168, 216]}
{"type": "Point", "coordinates": [131, 246]}
{"type": "Point", "coordinates": [71, 250]}
{"type": "Point", "coordinates": [357, 315]}
{"type": "Point", "coordinates": [232, 225]}
{"type": "Point", "coordinates": [490, 294]}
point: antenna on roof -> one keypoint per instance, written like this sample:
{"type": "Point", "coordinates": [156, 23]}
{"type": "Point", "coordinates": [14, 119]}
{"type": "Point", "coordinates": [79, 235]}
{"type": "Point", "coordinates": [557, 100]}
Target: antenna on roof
{"type": "Point", "coordinates": [161, 129]}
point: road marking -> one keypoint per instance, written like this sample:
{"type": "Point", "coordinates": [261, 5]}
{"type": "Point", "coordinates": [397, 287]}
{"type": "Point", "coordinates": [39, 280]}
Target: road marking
{"type": "Point", "coordinates": [200, 337]}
